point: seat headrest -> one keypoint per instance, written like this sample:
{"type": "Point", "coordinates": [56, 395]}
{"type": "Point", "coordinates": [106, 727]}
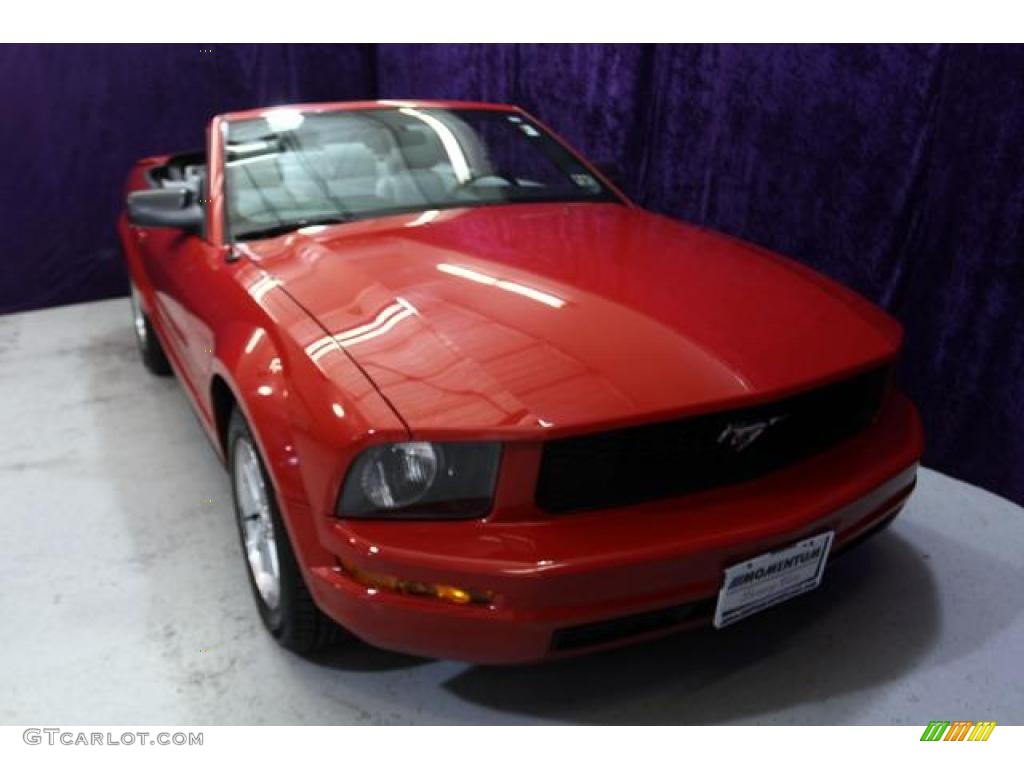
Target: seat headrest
{"type": "Point", "coordinates": [257, 171]}
{"type": "Point", "coordinates": [351, 159]}
{"type": "Point", "coordinates": [421, 149]}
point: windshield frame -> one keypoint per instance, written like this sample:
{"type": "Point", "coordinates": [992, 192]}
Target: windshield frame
{"type": "Point", "coordinates": [609, 193]}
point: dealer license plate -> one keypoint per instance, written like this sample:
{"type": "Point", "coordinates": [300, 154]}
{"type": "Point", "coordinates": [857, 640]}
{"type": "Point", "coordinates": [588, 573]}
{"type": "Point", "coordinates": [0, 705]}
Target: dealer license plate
{"type": "Point", "coordinates": [771, 578]}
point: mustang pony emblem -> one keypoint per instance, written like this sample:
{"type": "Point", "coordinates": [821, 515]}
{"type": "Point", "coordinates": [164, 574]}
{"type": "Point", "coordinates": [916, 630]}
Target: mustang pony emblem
{"type": "Point", "coordinates": [741, 434]}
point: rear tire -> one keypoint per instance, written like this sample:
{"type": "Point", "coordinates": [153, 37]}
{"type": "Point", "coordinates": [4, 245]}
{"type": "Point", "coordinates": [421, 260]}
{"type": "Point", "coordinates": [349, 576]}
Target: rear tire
{"type": "Point", "coordinates": [152, 353]}
{"type": "Point", "coordinates": [285, 605]}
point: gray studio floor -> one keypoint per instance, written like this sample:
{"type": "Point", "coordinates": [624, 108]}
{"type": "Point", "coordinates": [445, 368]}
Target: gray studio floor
{"type": "Point", "coordinates": [124, 600]}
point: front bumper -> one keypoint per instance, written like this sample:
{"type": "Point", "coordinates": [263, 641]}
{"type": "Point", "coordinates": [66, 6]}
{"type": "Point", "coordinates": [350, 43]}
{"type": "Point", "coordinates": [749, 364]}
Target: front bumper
{"type": "Point", "coordinates": [578, 582]}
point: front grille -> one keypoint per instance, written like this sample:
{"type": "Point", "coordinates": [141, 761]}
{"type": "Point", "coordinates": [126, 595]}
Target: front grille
{"type": "Point", "coordinates": [670, 458]}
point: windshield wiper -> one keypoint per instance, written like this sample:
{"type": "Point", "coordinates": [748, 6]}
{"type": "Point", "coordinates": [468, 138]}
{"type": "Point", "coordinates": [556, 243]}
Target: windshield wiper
{"type": "Point", "coordinates": [290, 226]}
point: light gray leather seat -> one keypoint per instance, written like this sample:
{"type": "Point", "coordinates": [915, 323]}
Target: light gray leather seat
{"type": "Point", "coordinates": [255, 189]}
{"type": "Point", "coordinates": [420, 172]}
{"type": "Point", "coordinates": [344, 171]}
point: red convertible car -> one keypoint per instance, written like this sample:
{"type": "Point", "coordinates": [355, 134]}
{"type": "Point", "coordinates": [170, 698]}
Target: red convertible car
{"type": "Point", "coordinates": [477, 404]}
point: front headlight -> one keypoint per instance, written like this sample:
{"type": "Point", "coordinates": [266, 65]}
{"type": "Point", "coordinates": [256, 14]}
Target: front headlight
{"type": "Point", "coordinates": [421, 480]}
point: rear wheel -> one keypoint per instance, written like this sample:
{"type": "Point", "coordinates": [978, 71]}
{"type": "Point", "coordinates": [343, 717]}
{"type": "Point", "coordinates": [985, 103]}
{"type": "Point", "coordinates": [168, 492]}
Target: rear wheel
{"type": "Point", "coordinates": [284, 602]}
{"type": "Point", "coordinates": [152, 353]}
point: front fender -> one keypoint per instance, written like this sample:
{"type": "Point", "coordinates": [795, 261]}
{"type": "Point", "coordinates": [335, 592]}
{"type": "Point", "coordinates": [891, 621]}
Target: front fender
{"type": "Point", "coordinates": [310, 414]}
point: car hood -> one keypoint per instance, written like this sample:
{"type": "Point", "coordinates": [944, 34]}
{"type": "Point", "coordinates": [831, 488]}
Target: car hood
{"type": "Point", "coordinates": [564, 317]}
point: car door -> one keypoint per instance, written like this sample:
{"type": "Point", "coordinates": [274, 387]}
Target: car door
{"type": "Point", "coordinates": [181, 269]}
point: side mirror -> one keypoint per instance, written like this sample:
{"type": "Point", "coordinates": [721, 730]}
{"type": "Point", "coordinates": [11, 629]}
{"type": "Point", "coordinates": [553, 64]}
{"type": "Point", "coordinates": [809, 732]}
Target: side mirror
{"type": "Point", "coordinates": [174, 208]}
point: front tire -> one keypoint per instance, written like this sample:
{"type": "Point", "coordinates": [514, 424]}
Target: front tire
{"type": "Point", "coordinates": [152, 353]}
{"type": "Point", "coordinates": [284, 602]}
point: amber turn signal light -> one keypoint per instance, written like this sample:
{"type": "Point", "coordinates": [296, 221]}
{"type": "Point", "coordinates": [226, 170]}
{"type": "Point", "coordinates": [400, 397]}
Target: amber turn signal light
{"type": "Point", "coordinates": [444, 592]}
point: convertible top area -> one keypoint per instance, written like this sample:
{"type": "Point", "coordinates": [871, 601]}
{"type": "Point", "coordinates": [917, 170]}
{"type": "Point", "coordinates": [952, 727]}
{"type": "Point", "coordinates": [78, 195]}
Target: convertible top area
{"type": "Point", "coordinates": [184, 170]}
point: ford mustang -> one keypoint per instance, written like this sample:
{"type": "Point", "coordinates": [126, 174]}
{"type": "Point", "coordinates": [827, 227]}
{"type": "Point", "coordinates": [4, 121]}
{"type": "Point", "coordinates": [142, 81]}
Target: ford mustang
{"type": "Point", "coordinates": [477, 404]}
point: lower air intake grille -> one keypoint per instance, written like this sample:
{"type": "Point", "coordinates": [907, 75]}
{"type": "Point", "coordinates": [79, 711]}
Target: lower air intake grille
{"type": "Point", "coordinates": [625, 627]}
{"type": "Point", "coordinates": [670, 458]}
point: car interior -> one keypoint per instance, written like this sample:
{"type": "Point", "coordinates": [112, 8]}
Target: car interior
{"type": "Point", "coordinates": [185, 170]}
{"type": "Point", "coordinates": [355, 164]}
{"type": "Point", "coordinates": [341, 172]}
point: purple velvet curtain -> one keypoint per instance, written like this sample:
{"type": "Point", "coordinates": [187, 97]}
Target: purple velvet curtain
{"type": "Point", "coordinates": [75, 118]}
{"type": "Point", "coordinates": [896, 169]}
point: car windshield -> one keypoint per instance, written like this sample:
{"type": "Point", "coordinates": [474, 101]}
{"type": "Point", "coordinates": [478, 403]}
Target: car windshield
{"type": "Point", "coordinates": [289, 169]}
